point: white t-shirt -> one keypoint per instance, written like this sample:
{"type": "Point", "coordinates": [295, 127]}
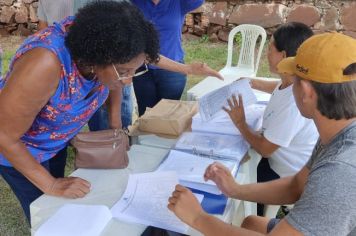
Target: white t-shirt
{"type": "Point", "coordinates": [54, 11]}
{"type": "Point", "coordinates": [284, 126]}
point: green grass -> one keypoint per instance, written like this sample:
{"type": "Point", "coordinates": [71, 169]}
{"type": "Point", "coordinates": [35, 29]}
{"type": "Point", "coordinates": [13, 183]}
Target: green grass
{"type": "Point", "coordinates": [12, 220]}
{"type": "Point", "coordinates": [7, 56]}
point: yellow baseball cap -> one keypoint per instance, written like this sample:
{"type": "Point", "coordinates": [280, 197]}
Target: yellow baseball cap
{"type": "Point", "coordinates": [322, 58]}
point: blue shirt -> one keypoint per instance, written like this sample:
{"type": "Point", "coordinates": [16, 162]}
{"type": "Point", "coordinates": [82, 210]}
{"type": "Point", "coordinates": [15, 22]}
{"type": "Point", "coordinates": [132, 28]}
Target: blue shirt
{"type": "Point", "coordinates": [69, 109]}
{"type": "Point", "coordinates": [168, 18]}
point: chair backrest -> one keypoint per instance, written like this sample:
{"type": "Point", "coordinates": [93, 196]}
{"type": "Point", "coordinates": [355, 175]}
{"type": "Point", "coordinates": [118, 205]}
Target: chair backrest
{"type": "Point", "coordinates": [250, 34]}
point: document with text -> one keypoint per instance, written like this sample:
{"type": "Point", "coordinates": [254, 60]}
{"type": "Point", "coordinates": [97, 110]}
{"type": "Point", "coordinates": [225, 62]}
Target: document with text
{"type": "Point", "coordinates": [145, 201]}
{"type": "Point", "coordinates": [212, 103]}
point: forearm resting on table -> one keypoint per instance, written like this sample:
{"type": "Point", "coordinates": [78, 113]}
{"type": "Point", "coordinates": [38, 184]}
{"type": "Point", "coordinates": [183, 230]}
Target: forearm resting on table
{"type": "Point", "coordinates": [17, 154]}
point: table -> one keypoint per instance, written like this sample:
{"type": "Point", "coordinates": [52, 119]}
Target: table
{"type": "Point", "coordinates": [109, 185]}
{"type": "Point", "coordinates": [248, 169]}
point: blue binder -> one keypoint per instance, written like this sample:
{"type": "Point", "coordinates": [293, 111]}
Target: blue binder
{"type": "Point", "coordinates": [212, 204]}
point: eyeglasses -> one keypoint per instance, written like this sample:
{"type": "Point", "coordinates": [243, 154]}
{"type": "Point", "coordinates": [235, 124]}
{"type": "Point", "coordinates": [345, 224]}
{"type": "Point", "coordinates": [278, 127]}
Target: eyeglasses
{"type": "Point", "coordinates": [120, 77]}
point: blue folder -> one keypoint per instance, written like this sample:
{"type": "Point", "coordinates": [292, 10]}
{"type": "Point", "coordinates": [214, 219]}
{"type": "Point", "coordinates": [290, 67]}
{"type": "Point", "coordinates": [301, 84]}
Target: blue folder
{"type": "Point", "coordinates": [212, 204]}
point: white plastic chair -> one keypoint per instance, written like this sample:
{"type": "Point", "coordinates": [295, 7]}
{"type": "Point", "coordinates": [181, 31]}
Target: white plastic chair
{"type": "Point", "coordinates": [248, 59]}
{"type": "Point", "coordinates": [247, 65]}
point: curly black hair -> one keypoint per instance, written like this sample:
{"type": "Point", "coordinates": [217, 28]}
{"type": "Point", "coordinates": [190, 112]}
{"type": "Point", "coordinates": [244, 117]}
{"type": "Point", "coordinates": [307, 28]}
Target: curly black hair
{"type": "Point", "coordinates": [106, 32]}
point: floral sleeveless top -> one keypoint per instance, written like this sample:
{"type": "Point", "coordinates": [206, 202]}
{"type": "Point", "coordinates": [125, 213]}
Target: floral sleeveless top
{"type": "Point", "coordinates": [69, 109]}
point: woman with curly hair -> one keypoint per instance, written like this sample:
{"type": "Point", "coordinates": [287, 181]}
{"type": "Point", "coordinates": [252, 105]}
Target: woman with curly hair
{"type": "Point", "coordinates": [58, 78]}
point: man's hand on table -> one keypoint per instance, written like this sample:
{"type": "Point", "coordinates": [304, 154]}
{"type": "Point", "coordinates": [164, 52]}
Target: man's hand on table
{"type": "Point", "coordinates": [185, 205]}
{"type": "Point", "coordinates": [223, 179]}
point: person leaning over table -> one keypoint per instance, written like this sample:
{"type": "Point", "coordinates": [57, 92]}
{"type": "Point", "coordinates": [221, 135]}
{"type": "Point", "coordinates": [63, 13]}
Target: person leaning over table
{"type": "Point", "coordinates": [58, 78]}
{"type": "Point", "coordinates": [324, 191]}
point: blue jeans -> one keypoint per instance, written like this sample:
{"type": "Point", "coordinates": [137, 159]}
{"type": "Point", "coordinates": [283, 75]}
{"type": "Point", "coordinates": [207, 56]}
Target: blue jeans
{"type": "Point", "coordinates": [24, 190]}
{"type": "Point", "coordinates": [156, 84]}
{"type": "Point", "coordinates": [57, 163]}
{"type": "Point", "coordinates": [100, 119]}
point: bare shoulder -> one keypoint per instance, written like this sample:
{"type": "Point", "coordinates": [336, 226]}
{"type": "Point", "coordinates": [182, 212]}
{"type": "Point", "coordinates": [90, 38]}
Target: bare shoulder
{"type": "Point", "coordinates": [38, 68]}
{"type": "Point", "coordinates": [38, 59]}
{"type": "Point", "coordinates": [31, 83]}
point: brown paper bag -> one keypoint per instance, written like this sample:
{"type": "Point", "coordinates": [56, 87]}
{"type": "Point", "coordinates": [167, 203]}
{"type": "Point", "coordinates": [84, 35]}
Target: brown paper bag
{"type": "Point", "coordinates": [170, 117]}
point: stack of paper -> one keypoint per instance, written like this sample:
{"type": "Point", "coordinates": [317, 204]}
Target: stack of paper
{"type": "Point", "coordinates": [232, 147]}
{"type": "Point", "coordinates": [190, 169]}
{"type": "Point", "coordinates": [222, 124]}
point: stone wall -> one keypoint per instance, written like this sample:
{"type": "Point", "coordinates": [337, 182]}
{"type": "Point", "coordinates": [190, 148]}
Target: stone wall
{"type": "Point", "coordinates": [217, 18]}
{"type": "Point", "coordinates": [18, 17]}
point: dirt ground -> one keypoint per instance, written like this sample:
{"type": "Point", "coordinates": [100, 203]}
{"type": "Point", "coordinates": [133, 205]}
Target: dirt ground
{"type": "Point", "coordinates": [10, 43]}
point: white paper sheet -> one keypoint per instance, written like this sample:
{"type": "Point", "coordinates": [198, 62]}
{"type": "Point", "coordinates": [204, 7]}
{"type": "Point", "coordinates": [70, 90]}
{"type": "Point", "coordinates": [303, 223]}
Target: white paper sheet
{"type": "Point", "coordinates": [191, 168]}
{"type": "Point", "coordinates": [212, 103]}
{"type": "Point", "coordinates": [145, 201]}
{"type": "Point", "coordinates": [222, 124]}
{"type": "Point", "coordinates": [232, 147]}
{"type": "Point", "coordinates": [75, 219]}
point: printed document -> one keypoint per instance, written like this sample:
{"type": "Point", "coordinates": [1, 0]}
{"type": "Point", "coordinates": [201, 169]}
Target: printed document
{"type": "Point", "coordinates": [213, 102]}
{"type": "Point", "coordinates": [222, 124]}
{"type": "Point", "coordinates": [145, 201]}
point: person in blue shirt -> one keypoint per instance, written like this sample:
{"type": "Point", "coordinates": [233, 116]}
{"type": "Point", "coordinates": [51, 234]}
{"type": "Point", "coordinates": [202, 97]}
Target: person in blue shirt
{"type": "Point", "coordinates": [167, 17]}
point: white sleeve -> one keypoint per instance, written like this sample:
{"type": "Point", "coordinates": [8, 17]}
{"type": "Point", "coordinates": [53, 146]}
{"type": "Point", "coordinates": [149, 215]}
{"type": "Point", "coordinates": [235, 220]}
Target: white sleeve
{"type": "Point", "coordinates": [40, 12]}
{"type": "Point", "coordinates": [283, 127]}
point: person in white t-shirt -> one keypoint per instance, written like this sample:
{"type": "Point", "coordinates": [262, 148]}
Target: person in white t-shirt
{"type": "Point", "coordinates": [287, 138]}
